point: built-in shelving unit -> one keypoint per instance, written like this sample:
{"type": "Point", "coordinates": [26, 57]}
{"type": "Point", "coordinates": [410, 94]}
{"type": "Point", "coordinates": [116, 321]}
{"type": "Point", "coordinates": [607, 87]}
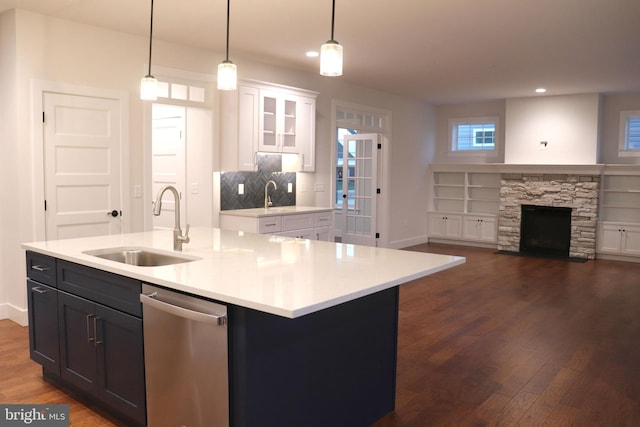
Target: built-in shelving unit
{"type": "Point", "coordinates": [620, 198]}
{"type": "Point", "coordinates": [466, 192]}
{"type": "Point", "coordinates": [464, 205]}
{"type": "Point", "coordinates": [619, 217]}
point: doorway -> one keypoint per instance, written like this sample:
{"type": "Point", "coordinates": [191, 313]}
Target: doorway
{"type": "Point", "coordinates": [362, 136]}
{"type": "Point", "coordinates": [356, 186]}
{"type": "Point", "coordinates": [182, 156]}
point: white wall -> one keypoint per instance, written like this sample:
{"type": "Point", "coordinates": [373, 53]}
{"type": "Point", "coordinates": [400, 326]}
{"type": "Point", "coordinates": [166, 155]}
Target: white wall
{"type": "Point", "coordinates": [65, 52]}
{"type": "Point", "coordinates": [569, 124]}
{"type": "Point", "coordinates": [467, 111]}
{"type": "Point", "coordinates": [612, 105]}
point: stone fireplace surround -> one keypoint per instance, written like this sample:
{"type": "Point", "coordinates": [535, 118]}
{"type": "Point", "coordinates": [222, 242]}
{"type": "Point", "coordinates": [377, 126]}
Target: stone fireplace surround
{"type": "Point", "coordinates": [573, 190]}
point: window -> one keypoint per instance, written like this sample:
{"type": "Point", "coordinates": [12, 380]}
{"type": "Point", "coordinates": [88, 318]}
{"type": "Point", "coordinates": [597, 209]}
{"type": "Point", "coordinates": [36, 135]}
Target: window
{"type": "Point", "coordinates": [629, 133]}
{"type": "Point", "coordinates": [473, 135]}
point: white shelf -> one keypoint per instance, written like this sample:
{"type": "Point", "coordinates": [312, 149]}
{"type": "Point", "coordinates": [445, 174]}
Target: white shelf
{"type": "Point", "coordinates": [473, 192]}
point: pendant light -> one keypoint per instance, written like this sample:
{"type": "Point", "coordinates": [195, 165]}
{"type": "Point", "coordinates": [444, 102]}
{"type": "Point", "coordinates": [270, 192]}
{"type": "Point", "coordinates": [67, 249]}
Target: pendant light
{"type": "Point", "coordinates": [331, 52]}
{"type": "Point", "coordinates": [149, 84]}
{"type": "Point", "coordinates": [227, 70]}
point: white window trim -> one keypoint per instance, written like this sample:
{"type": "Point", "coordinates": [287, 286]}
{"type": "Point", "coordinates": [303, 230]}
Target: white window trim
{"type": "Point", "coordinates": [473, 153]}
{"type": "Point", "coordinates": [622, 151]}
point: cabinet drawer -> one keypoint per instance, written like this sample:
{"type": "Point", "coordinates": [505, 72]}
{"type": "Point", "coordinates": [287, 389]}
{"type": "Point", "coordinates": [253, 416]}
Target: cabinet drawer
{"type": "Point", "coordinates": [323, 219]}
{"type": "Point", "coordinates": [269, 224]}
{"type": "Point", "coordinates": [112, 290]}
{"type": "Point", "coordinates": [297, 222]}
{"type": "Point", "coordinates": [41, 268]}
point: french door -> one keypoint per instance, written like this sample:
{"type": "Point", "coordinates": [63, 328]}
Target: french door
{"type": "Point", "coordinates": [359, 188]}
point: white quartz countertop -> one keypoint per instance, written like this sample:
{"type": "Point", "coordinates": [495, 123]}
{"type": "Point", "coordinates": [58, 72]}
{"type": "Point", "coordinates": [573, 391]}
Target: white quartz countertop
{"type": "Point", "coordinates": [278, 275]}
{"type": "Point", "coordinates": [274, 211]}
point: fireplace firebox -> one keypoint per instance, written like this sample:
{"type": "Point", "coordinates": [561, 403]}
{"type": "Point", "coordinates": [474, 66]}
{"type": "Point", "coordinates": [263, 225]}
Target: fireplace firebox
{"type": "Point", "coordinates": [545, 231]}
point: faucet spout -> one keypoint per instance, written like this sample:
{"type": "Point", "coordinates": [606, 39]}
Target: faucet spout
{"type": "Point", "coordinates": [267, 198]}
{"type": "Point", "coordinates": [178, 238]}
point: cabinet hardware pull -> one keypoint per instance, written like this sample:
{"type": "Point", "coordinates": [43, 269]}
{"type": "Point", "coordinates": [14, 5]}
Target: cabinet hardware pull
{"type": "Point", "coordinates": [39, 267]}
{"type": "Point", "coordinates": [40, 290]}
{"type": "Point", "coordinates": [95, 331]}
{"type": "Point", "coordinates": [89, 337]}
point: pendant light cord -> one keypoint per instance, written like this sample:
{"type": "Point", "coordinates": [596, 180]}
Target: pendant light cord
{"type": "Point", "coordinates": [150, 38]}
{"type": "Point", "coordinates": [228, 7]}
{"type": "Point", "coordinates": [333, 17]}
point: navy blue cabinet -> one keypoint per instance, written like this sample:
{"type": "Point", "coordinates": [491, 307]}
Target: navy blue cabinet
{"type": "Point", "coordinates": [85, 329]}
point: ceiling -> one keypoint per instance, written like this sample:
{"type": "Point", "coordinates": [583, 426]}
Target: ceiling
{"type": "Point", "coordinates": [439, 51]}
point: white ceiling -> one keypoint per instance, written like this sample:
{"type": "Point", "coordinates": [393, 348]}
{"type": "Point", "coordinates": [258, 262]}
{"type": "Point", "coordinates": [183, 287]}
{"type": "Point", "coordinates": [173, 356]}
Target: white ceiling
{"type": "Point", "coordinates": [441, 51]}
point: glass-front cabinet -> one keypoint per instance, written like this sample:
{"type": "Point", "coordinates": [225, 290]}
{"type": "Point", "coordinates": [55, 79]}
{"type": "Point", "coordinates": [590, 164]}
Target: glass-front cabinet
{"type": "Point", "coordinates": [278, 122]}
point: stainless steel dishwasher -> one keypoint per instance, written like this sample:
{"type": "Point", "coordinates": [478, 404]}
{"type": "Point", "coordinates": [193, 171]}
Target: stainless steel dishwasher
{"type": "Point", "coordinates": [186, 360]}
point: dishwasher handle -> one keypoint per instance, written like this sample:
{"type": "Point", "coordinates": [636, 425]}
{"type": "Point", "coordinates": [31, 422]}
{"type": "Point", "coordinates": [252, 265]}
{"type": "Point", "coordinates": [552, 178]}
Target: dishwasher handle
{"type": "Point", "coordinates": [152, 301]}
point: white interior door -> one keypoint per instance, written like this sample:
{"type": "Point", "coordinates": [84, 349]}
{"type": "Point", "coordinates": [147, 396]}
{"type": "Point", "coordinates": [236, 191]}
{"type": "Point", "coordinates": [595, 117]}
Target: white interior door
{"type": "Point", "coordinates": [168, 160]}
{"type": "Point", "coordinates": [82, 165]}
{"type": "Point", "coordinates": [359, 191]}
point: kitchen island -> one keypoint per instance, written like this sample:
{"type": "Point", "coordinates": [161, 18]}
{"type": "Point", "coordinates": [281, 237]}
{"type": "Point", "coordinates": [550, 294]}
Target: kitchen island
{"type": "Point", "coordinates": [312, 325]}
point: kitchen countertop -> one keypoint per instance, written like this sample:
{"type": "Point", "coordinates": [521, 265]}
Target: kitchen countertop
{"type": "Point", "coordinates": [279, 275]}
{"type": "Point", "coordinates": [274, 211]}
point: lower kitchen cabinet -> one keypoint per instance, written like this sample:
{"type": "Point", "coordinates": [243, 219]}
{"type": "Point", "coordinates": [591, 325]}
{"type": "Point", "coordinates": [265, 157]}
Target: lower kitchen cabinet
{"type": "Point", "coordinates": [102, 353]}
{"type": "Point", "coordinates": [312, 226]}
{"type": "Point", "coordinates": [43, 325]}
{"type": "Point", "coordinates": [85, 329]}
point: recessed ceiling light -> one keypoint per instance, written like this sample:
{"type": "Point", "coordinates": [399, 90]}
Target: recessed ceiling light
{"type": "Point", "coordinates": [312, 54]}
{"type": "Point", "coordinates": [541, 90]}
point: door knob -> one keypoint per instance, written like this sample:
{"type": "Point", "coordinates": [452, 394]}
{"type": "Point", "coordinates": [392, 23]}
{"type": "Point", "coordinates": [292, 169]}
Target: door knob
{"type": "Point", "coordinates": [344, 196]}
{"type": "Point", "coordinates": [114, 213]}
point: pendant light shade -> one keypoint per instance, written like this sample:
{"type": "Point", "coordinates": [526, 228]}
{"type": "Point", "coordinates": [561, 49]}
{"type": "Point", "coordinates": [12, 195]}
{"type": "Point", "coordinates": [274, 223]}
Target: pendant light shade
{"type": "Point", "coordinates": [149, 88]}
{"type": "Point", "coordinates": [227, 70]}
{"type": "Point", "coordinates": [331, 52]}
{"type": "Point", "coordinates": [227, 76]}
{"type": "Point", "coordinates": [149, 84]}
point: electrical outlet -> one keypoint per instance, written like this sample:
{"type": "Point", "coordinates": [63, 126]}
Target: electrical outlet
{"type": "Point", "coordinates": [137, 191]}
{"type": "Point", "coordinates": [195, 188]}
{"type": "Point", "coordinates": [319, 187]}
{"type": "Point", "coordinates": [240, 189]}
{"type": "Point", "coordinates": [289, 187]}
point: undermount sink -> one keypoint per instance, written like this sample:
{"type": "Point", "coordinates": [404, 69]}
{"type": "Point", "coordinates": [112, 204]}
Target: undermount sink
{"type": "Point", "coordinates": [141, 257]}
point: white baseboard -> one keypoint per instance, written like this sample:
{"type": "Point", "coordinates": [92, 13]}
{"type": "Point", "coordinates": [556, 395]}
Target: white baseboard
{"type": "Point", "coordinates": [405, 243]}
{"type": "Point", "coordinates": [15, 314]}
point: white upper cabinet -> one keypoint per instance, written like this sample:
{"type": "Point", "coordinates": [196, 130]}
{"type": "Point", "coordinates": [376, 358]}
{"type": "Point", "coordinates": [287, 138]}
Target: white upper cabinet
{"type": "Point", "coordinates": [259, 117]}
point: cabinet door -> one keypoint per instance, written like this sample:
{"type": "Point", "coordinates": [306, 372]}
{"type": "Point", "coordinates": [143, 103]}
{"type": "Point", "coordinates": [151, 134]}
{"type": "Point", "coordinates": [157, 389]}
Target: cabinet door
{"type": "Point", "coordinates": [631, 240]}
{"type": "Point", "coordinates": [248, 128]}
{"type": "Point", "coordinates": [610, 239]}
{"type": "Point", "coordinates": [324, 234]}
{"type": "Point", "coordinates": [268, 135]}
{"type": "Point", "coordinates": [306, 134]}
{"type": "Point", "coordinates": [288, 123]}
{"type": "Point", "coordinates": [453, 226]}
{"type": "Point", "coordinates": [305, 233]}
{"type": "Point", "coordinates": [436, 225]}
{"type": "Point", "coordinates": [77, 320]}
{"type": "Point", "coordinates": [480, 229]}
{"type": "Point", "coordinates": [43, 325]}
{"type": "Point", "coordinates": [120, 356]}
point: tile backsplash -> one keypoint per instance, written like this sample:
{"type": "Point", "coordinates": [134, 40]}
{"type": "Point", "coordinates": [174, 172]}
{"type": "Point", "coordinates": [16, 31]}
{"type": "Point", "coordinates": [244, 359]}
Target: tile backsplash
{"type": "Point", "coordinates": [269, 167]}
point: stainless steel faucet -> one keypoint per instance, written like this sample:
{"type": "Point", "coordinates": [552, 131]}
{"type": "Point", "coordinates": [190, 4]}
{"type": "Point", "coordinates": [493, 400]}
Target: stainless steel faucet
{"type": "Point", "coordinates": [178, 238]}
{"type": "Point", "coordinates": [267, 198]}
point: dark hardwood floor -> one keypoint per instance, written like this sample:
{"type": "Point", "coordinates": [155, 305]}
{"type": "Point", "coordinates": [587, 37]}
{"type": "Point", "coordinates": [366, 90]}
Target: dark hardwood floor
{"type": "Point", "coordinates": [502, 340]}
